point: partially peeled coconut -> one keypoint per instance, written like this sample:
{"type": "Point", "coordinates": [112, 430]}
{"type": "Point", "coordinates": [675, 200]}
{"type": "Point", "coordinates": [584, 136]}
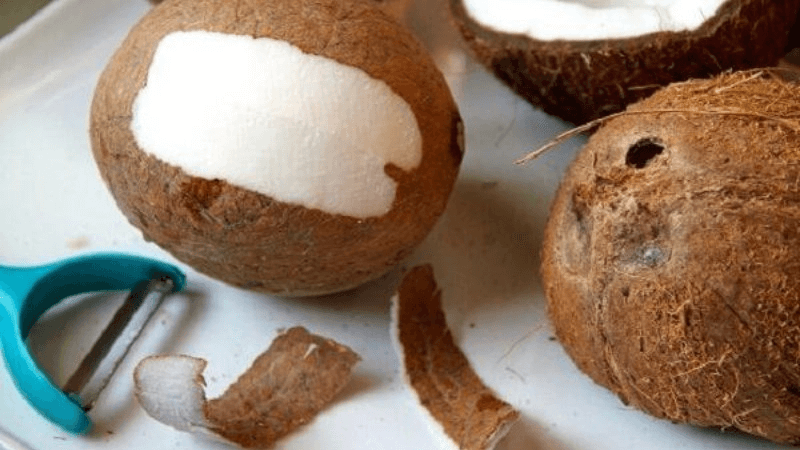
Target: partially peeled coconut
{"type": "Point", "coordinates": [580, 60]}
{"type": "Point", "coordinates": [671, 258]}
{"type": "Point", "coordinates": [290, 147]}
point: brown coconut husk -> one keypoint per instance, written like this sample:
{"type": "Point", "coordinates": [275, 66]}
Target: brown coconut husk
{"type": "Point", "coordinates": [247, 239]}
{"type": "Point", "coordinates": [670, 259]}
{"type": "Point", "coordinates": [469, 414]}
{"type": "Point", "coordinates": [580, 81]}
{"type": "Point", "coordinates": [285, 387]}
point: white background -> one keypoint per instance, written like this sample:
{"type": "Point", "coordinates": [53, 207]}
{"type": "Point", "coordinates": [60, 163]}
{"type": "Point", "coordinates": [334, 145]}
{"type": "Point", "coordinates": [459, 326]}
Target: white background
{"type": "Point", "coordinates": [484, 252]}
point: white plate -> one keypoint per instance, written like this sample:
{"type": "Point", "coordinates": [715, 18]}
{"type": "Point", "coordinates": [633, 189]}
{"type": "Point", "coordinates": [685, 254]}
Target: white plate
{"type": "Point", "coordinates": [484, 251]}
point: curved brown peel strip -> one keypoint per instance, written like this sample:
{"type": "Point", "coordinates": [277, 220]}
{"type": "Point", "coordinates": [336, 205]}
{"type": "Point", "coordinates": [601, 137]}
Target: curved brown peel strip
{"type": "Point", "coordinates": [440, 375]}
{"type": "Point", "coordinates": [284, 388]}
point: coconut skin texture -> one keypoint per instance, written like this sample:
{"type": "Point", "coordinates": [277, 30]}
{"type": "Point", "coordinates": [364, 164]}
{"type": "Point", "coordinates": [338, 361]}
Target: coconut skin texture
{"type": "Point", "coordinates": [248, 239]}
{"type": "Point", "coordinates": [580, 81]}
{"type": "Point", "coordinates": [670, 258]}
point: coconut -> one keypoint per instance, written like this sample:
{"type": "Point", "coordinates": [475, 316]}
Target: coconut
{"type": "Point", "coordinates": [290, 147]}
{"type": "Point", "coordinates": [670, 258]}
{"type": "Point", "coordinates": [580, 60]}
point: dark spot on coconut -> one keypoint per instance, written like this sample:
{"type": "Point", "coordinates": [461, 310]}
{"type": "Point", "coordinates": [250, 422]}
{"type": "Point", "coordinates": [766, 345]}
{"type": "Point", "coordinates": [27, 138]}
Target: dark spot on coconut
{"type": "Point", "coordinates": [793, 390]}
{"type": "Point", "coordinates": [581, 218]}
{"type": "Point", "coordinates": [642, 152]}
{"type": "Point", "coordinates": [577, 242]}
{"type": "Point", "coordinates": [686, 314]}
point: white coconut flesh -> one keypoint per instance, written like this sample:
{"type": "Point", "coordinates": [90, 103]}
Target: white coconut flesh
{"type": "Point", "coordinates": [171, 389]}
{"type": "Point", "coordinates": [265, 116]}
{"type": "Point", "coordinates": [582, 20]}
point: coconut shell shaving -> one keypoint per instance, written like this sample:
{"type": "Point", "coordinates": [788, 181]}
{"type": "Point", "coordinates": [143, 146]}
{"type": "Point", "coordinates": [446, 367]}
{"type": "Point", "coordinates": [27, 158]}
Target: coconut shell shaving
{"type": "Point", "coordinates": [465, 414]}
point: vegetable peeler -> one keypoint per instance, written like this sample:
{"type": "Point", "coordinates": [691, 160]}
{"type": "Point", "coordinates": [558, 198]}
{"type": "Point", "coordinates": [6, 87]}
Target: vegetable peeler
{"type": "Point", "coordinates": [27, 292]}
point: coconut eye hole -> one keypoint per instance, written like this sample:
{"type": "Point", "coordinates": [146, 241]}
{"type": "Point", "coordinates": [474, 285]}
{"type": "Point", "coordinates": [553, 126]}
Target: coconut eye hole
{"type": "Point", "coordinates": [642, 152]}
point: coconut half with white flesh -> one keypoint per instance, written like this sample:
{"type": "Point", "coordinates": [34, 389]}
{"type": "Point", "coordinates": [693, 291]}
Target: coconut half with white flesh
{"type": "Point", "coordinates": [581, 60]}
{"type": "Point", "coordinates": [290, 147]}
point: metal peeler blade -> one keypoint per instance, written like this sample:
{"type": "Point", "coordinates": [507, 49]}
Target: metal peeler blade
{"type": "Point", "coordinates": [27, 292]}
{"type": "Point", "coordinates": [99, 365]}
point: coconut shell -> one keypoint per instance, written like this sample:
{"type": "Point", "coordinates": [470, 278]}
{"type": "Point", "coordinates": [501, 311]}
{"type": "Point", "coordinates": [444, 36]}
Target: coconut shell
{"type": "Point", "coordinates": [579, 81]}
{"type": "Point", "coordinates": [671, 258]}
{"type": "Point", "coordinates": [245, 238]}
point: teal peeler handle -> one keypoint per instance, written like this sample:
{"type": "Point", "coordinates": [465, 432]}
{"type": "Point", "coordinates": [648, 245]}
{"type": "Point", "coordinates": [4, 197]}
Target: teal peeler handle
{"type": "Point", "coordinates": [27, 292]}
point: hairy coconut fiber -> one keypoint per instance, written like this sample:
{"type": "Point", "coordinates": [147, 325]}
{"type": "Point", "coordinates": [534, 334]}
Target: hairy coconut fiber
{"type": "Point", "coordinates": [671, 260]}
{"type": "Point", "coordinates": [579, 81]}
{"type": "Point", "coordinates": [247, 239]}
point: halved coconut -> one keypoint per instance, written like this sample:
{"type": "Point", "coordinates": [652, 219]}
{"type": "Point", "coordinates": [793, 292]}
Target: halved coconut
{"type": "Point", "coordinates": [580, 60]}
